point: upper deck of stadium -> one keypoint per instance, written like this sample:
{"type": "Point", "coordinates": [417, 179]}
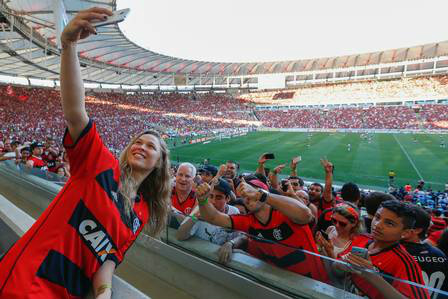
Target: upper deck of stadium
{"type": "Point", "coordinates": [28, 46]}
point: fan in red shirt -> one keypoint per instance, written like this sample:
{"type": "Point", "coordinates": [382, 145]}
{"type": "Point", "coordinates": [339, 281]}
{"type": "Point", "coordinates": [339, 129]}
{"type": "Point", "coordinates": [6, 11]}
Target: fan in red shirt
{"type": "Point", "coordinates": [183, 197]}
{"type": "Point", "coordinates": [278, 228]}
{"type": "Point", "coordinates": [86, 230]}
{"type": "Point", "coordinates": [386, 255]}
{"type": "Point", "coordinates": [35, 160]}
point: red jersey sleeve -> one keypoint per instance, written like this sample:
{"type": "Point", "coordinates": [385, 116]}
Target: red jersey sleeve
{"type": "Point", "coordinates": [85, 152]}
{"type": "Point", "coordinates": [240, 222]}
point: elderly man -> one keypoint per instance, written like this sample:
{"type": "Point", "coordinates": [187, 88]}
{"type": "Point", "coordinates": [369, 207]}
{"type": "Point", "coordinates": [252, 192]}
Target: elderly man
{"type": "Point", "coordinates": [183, 197]}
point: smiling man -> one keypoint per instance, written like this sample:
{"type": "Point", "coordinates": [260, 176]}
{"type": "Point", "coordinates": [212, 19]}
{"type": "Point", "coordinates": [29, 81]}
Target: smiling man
{"type": "Point", "coordinates": [183, 197]}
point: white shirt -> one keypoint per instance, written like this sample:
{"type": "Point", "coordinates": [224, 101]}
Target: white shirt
{"type": "Point", "coordinates": [213, 233]}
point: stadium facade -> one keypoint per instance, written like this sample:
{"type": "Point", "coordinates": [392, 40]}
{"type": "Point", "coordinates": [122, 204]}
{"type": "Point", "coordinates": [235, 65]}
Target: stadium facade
{"type": "Point", "coordinates": [29, 48]}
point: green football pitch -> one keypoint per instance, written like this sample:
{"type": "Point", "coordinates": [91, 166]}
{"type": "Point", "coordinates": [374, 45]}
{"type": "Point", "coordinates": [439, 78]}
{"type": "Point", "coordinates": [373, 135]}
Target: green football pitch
{"type": "Point", "coordinates": [412, 157]}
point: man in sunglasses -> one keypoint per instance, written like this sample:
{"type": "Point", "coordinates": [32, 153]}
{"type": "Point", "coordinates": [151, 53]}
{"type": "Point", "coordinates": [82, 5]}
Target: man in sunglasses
{"type": "Point", "coordinates": [296, 183]}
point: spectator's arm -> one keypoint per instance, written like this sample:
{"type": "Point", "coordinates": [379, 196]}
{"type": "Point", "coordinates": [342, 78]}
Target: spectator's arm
{"type": "Point", "coordinates": [291, 208]}
{"type": "Point", "coordinates": [184, 230]}
{"type": "Point", "coordinates": [72, 87]}
{"type": "Point", "coordinates": [102, 280]}
{"type": "Point", "coordinates": [385, 288]}
{"type": "Point", "coordinates": [273, 176]}
{"type": "Point", "coordinates": [293, 165]}
{"type": "Point", "coordinates": [328, 167]}
{"type": "Point", "coordinates": [260, 168]}
{"type": "Point", "coordinates": [225, 252]}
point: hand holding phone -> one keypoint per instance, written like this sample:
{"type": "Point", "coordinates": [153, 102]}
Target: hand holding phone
{"type": "Point", "coordinates": [297, 159]}
{"type": "Point", "coordinates": [269, 156]}
{"type": "Point", "coordinates": [117, 17]}
{"type": "Point", "coordinates": [324, 234]}
{"type": "Point", "coordinates": [360, 251]}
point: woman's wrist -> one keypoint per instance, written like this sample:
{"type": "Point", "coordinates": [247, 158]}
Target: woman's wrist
{"type": "Point", "coordinates": [104, 288]}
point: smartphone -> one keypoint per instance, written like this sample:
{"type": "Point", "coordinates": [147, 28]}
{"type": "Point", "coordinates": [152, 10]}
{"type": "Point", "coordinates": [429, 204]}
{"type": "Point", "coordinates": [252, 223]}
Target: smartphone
{"type": "Point", "coordinates": [269, 156]}
{"type": "Point", "coordinates": [117, 17]}
{"type": "Point", "coordinates": [324, 234]}
{"type": "Point", "coordinates": [297, 159]}
{"type": "Point", "coordinates": [285, 185]}
{"type": "Point", "coordinates": [360, 251]}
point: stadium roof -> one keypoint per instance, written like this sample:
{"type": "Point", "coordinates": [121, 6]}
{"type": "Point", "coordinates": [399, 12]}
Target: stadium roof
{"type": "Point", "coordinates": [28, 48]}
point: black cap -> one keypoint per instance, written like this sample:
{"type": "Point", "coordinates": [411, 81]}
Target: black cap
{"type": "Point", "coordinates": [223, 186]}
{"type": "Point", "coordinates": [209, 168]}
{"type": "Point", "coordinates": [35, 144]}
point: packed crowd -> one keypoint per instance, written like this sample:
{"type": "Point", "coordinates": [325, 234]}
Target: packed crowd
{"type": "Point", "coordinates": [33, 114]}
{"type": "Point", "coordinates": [374, 117]}
{"type": "Point", "coordinates": [272, 219]}
{"type": "Point", "coordinates": [258, 213]}
{"type": "Point", "coordinates": [373, 90]}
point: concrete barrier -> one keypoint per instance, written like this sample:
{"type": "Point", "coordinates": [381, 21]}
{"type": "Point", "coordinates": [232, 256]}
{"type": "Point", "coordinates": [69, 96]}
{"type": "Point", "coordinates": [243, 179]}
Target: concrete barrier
{"type": "Point", "coordinates": [190, 266]}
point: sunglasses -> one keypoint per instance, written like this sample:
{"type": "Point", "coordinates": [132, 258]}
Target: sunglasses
{"type": "Point", "coordinates": [294, 183]}
{"type": "Point", "coordinates": [337, 222]}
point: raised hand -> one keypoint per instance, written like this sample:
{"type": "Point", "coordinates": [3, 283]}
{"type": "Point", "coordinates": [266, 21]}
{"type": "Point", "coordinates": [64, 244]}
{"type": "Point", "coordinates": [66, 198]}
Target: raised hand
{"type": "Point", "coordinates": [248, 192]}
{"type": "Point", "coordinates": [222, 170]}
{"type": "Point", "coordinates": [203, 191]}
{"type": "Point", "coordinates": [295, 161]}
{"type": "Point", "coordinates": [262, 159]}
{"type": "Point", "coordinates": [327, 165]}
{"type": "Point", "coordinates": [81, 26]}
{"type": "Point", "coordinates": [279, 168]}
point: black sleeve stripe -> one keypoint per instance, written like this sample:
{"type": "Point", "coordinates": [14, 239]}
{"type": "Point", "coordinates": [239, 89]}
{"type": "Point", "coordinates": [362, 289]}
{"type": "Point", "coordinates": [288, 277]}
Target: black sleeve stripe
{"type": "Point", "coordinates": [60, 270]}
{"type": "Point", "coordinates": [84, 132]}
{"type": "Point", "coordinates": [411, 271]}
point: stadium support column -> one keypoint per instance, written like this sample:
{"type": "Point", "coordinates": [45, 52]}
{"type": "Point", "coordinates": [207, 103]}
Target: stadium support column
{"type": "Point", "coordinates": [434, 66]}
{"type": "Point", "coordinates": [405, 70]}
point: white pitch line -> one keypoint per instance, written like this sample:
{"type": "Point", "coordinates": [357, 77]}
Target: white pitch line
{"type": "Point", "coordinates": [409, 158]}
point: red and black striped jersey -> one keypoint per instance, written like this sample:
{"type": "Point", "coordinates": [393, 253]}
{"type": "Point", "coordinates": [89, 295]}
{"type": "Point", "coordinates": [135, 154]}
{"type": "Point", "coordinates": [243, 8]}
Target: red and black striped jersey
{"type": "Point", "coordinates": [393, 261]}
{"type": "Point", "coordinates": [185, 207]}
{"type": "Point", "coordinates": [84, 226]}
{"type": "Point", "coordinates": [280, 242]}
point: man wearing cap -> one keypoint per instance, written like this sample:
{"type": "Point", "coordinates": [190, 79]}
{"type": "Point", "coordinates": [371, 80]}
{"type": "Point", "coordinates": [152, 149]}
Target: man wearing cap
{"type": "Point", "coordinates": [191, 226]}
{"type": "Point", "coordinates": [207, 173]}
{"type": "Point", "coordinates": [35, 160]}
{"type": "Point", "coordinates": [274, 220]}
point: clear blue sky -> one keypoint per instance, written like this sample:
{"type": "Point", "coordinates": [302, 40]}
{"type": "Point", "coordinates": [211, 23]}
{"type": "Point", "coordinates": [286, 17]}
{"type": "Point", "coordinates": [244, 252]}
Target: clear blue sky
{"type": "Point", "coordinates": [262, 30]}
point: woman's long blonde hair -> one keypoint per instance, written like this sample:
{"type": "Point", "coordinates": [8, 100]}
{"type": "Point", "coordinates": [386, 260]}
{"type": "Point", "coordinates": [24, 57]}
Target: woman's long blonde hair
{"type": "Point", "coordinates": [155, 188]}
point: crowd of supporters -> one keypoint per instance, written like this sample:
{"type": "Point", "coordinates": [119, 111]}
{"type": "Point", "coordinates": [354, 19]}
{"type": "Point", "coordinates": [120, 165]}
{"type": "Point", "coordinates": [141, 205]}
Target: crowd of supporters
{"type": "Point", "coordinates": [375, 117]}
{"type": "Point", "coordinates": [258, 213]}
{"type": "Point", "coordinates": [273, 219]}
{"type": "Point", "coordinates": [352, 92]}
